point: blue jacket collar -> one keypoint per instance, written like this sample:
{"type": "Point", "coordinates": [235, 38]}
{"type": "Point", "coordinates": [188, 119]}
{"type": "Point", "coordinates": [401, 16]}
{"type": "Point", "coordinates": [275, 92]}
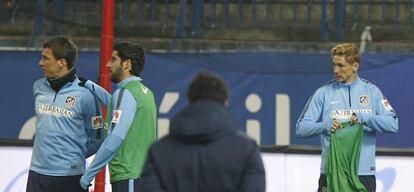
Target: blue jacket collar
{"type": "Point", "coordinates": [357, 80]}
{"type": "Point", "coordinates": [132, 78]}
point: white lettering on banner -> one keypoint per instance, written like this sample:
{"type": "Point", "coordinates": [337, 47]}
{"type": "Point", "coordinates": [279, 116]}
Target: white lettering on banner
{"type": "Point", "coordinates": [163, 127]}
{"type": "Point", "coordinates": [28, 129]}
{"type": "Point", "coordinates": [253, 104]}
{"type": "Point", "coordinates": [54, 110]}
{"type": "Point", "coordinates": [345, 114]}
{"type": "Point", "coordinates": [253, 130]}
{"type": "Point", "coordinates": [167, 102]}
{"type": "Point", "coordinates": [282, 120]}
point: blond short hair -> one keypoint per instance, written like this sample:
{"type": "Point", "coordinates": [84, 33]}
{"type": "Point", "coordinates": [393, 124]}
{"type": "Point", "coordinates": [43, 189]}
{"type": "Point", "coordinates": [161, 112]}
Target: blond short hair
{"type": "Point", "coordinates": [348, 50]}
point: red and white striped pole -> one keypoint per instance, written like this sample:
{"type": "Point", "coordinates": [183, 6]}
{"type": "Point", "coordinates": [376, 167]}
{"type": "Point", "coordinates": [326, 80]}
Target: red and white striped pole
{"type": "Point", "coordinates": [106, 51]}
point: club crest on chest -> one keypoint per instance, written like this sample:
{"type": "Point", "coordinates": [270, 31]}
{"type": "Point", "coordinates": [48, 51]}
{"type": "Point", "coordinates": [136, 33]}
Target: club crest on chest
{"type": "Point", "coordinates": [364, 100]}
{"type": "Point", "coordinates": [70, 101]}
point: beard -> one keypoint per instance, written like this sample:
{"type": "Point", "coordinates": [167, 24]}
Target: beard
{"type": "Point", "coordinates": [116, 75]}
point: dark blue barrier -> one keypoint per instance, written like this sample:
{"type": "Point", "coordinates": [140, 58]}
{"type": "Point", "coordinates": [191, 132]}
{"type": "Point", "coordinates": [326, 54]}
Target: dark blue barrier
{"type": "Point", "coordinates": [265, 74]}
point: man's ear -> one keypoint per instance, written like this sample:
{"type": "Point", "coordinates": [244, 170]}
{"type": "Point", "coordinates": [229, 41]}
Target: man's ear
{"type": "Point", "coordinates": [127, 64]}
{"type": "Point", "coordinates": [226, 103]}
{"type": "Point", "coordinates": [62, 63]}
{"type": "Point", "coordinates": [356, 67]}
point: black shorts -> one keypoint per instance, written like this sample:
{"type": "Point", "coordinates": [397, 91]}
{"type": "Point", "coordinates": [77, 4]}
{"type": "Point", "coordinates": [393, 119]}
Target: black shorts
{"type": "Point", "coordinates": [45, 183]}
{"type": "Point", "coordinates": [368, 181]}
{"type": "Point", "coordinates": [125, 185]}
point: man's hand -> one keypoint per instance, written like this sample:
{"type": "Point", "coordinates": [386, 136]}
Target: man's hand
{"type": "Point", "coordinates": [83, 183]}
{"type": "Point", "coordinates": [354, 119]}
{"type": "Point", "coordinates": [335, 125]}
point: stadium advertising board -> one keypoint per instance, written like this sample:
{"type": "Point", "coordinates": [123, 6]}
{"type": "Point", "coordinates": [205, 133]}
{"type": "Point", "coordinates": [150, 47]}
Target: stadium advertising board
{"type": "Point", "coordinates": [267, 90]}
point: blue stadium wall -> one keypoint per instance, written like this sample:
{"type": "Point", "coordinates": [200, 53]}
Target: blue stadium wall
{"type": "Point", "coordinates": [296, 75]}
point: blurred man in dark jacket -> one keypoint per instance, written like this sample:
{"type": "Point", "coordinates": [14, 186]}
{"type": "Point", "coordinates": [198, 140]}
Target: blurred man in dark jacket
{"type": "Point", "coordinates": [205, 151]}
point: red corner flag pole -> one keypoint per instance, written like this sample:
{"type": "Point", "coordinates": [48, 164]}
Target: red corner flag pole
{"type": "Point", "coordinates": [106, 50]}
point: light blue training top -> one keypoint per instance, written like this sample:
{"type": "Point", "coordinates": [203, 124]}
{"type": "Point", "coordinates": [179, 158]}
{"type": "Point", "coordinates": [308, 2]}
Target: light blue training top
{"type": "Point", "coordinates": [339, 101]}
{"type": "Point", "coordinates": [68, 128]}
{"type": "Point", "coordinates": [117, 133]}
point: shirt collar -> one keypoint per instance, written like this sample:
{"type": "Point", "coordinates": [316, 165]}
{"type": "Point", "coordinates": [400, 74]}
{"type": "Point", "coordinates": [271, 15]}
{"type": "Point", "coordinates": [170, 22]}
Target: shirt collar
{"type": "Point", "coordinates": [350, 84]}
{"type": "Point", "coordinates": [132, 78]}
{"type": "Point", "coordinates": [57, 83]}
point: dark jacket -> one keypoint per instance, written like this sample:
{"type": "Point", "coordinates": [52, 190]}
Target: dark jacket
{"type": "Point", "coordinates": [204, 152]}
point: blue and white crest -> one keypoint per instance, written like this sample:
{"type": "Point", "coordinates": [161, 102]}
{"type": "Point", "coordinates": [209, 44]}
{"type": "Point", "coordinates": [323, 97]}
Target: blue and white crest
{"type": "Point", "coordinates": [364, 100]}
{"type": "Point", "coordinates": [70, 101]}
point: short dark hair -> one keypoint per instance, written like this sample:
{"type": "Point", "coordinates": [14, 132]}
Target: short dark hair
{"type": "Point", "coordinates": [206, 85]}
{"type": "Point", "coordinates": [134, 52]}
{"type": "Point", "coordinates": [62, 48]}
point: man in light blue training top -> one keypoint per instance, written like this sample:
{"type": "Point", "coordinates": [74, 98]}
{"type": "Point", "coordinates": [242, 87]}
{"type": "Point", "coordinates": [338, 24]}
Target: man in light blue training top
{"type": "Point", "coordinates": [131, 118]}
{"type": "Point", "coordinates": [68, 122]}
{"type": "Point", "coordinates": [348, 98]}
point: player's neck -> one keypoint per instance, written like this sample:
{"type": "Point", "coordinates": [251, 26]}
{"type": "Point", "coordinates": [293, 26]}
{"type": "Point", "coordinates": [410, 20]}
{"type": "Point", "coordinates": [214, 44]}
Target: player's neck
{"type": "Point", "coordinates": [57, 83]}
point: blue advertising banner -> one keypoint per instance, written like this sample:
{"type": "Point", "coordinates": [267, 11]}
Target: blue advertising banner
{"type": "Point", "coordinates": [267, 90]}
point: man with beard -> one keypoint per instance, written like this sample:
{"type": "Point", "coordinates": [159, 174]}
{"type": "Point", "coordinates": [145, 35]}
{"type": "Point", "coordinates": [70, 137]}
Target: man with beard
{"type": "Point", "coordinates": [131, 120]}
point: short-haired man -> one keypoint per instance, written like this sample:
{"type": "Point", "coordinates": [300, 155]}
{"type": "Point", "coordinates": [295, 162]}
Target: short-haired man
{"type": "Point", "coordinates": [204, 151]}
{"type": "Point", "coordinates": [348, 99]}
{"type": "Point", "coordinates": [131, 118]}
{"type": "Point", "coordinates": [68, 121]}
